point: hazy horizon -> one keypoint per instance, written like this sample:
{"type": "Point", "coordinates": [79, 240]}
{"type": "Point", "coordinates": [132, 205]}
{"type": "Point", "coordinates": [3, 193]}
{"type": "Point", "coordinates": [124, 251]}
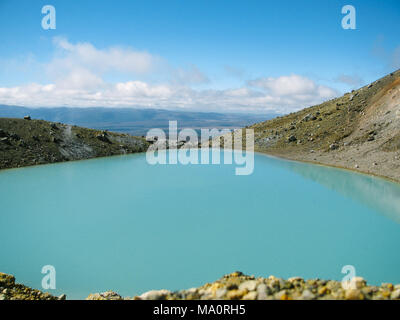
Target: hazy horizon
{"type": "Point", "coordinates": [230, 56]}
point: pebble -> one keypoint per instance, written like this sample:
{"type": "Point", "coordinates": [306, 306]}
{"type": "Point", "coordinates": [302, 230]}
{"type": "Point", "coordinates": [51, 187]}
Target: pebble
{"type": "Point", "coordinates": [281, 295]}
{"type": "Point", "coordinates": [395, 294]}
{"type": "Point", "coordinates": [357, 282]}
{"type": "Point", "coordinates": [353, 294]}
{"type": "Point", "coordinates": [250, 296]}
{"type": "Point", "coordinates": [307, 295]}
{"type": "Point", "coordinates": [262, 291]}
{"type": "Point", "coordinates": [250, 285]}
{"type": "Point", "coordinates": [155, 295]}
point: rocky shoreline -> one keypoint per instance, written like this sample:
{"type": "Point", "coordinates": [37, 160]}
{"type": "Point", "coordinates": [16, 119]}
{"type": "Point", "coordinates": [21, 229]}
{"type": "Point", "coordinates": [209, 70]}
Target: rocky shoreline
{"type": "Point", "coordinates": [234, 286]}
{"type": "Point", "coordinates": [358, 131]}
{"type": "Point", "coordinates": [27, 142]}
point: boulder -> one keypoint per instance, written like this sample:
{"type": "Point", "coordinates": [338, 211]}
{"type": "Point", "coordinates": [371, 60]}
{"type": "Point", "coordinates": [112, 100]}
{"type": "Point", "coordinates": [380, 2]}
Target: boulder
{"type": "Point", "coordinates": [155, 295]}
{"type": "Point", "coordinates": [103, 137]}
{"type": "Point", "coordinates": [5, 140]}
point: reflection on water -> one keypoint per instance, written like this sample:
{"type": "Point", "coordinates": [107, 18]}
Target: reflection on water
{"type": "Point", "coordinates": [381, 195]}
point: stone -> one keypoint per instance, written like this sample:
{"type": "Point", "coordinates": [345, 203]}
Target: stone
{"type": "Point", "coordinates": [307, 295]}
{"type": "Point", "coordinates": [103, 137]}
{"type": "Point", "coordinates": [291, 138]}
{"type": "Point", "coordinates": [395, 294]}
{"type": "Point", "coordinates": [357, 282]}
{"type": "Point", "coordinates": [322, 291]}
{"type": "Point", "coordinates": [15, 136]}
{"type": "Point", "coordinates": [155, 295]}
{"type": "Point", "coordinates": [220, 293]}
{"type": "Point", "coordinates": [250, 296]}
{"type": "Point", "coordinates": [388, 286]}
{"type": "Point", "coordinates": [262, 291]}
{"type": "Point", "coordinates": [282, 295]}
{"type": "Point", "coordinates": [235, 294]}
{"type": "Point", "coordinates": [296, 279]}
{"type": "Point", "coordinates": [333, 146]}
{"type": "Point", "coordinates": [62, 297]}
{"type": "Point", "coordinates": [5, 140]}
{"type": "Point", "coordinates": [353, 294]}
{"type": "Point", "coordinates": [249, 285]}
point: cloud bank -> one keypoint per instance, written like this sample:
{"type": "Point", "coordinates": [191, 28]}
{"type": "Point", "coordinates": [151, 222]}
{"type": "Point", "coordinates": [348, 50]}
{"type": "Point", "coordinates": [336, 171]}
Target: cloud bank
{"type": "Point", "coordinates": [79, 76]}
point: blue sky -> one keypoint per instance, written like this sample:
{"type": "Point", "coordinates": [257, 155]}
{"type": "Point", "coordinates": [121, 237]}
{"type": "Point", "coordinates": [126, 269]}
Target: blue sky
{"type": "Point", "coordinates": [240, 56]}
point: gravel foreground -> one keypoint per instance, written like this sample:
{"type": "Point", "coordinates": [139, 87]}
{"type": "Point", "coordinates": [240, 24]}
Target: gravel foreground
{"type": "Point", "coordinates": [234, 286]}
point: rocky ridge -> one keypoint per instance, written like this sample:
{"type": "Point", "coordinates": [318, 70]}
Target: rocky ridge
{"type": "Point", "coordinates": [359, 131]}
{"type": "Point", "coordinates": [26, 142]}
{"type": "Point", "coordinates": [9, 290]}
{"type": "Point", "coordinates": [234, 286]}
{"type": "Point", "coordinates": [237, 286]}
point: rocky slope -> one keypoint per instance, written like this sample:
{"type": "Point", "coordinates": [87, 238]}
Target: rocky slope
{"type": "Point", "coordinates": [25, 142]}
{"type": "Point", "coordinates": [358, 131]}
{"type": "Point", "coordinates": [237, 286]}
{"type": "Point", "coordinates": [9, 290]}
{"type": "Point", "coordinates": [234, 286]}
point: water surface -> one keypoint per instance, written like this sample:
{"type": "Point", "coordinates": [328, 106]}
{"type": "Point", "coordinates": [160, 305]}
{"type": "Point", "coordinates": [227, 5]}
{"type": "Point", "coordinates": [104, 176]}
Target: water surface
{"type": "Point", "coordinates": [119, 223]}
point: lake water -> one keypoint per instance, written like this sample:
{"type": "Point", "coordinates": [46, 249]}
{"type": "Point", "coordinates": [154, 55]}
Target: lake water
{"type": "Point", "coordinates": [119, 223]}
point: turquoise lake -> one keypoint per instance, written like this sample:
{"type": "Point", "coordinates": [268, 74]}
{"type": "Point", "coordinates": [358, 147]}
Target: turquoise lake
{"type": "Point", "coordinates": [119, 223]}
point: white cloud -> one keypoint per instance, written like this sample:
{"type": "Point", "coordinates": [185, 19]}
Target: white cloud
{"type": "Point", "coordinates": [142, 94]}
{"type": "Point", "coordinates": [293, 85]}
{"type": "Point", "coordinates": [79, 79]}
{"type": "Point", "coordinates": [85, 55]}
{"type": "Point", "coordinates": [78, 72]}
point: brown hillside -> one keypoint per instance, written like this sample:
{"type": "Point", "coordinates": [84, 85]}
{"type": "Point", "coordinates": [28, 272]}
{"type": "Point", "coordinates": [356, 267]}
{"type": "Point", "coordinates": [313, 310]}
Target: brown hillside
{"type": "Point", "coordinates": [360, 130]}
{"type": "Point", "coordinates": [26, 142]}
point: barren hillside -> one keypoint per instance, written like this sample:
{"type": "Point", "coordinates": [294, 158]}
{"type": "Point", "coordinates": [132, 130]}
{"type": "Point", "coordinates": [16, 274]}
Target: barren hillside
{"type": "Point", "coordinates": [25, 142]}
{"type": "Point", "coordinates": [360, 131]}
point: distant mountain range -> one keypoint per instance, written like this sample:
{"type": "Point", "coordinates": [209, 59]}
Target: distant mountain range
{"type": "Point", "coordinates": [133, 121]}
